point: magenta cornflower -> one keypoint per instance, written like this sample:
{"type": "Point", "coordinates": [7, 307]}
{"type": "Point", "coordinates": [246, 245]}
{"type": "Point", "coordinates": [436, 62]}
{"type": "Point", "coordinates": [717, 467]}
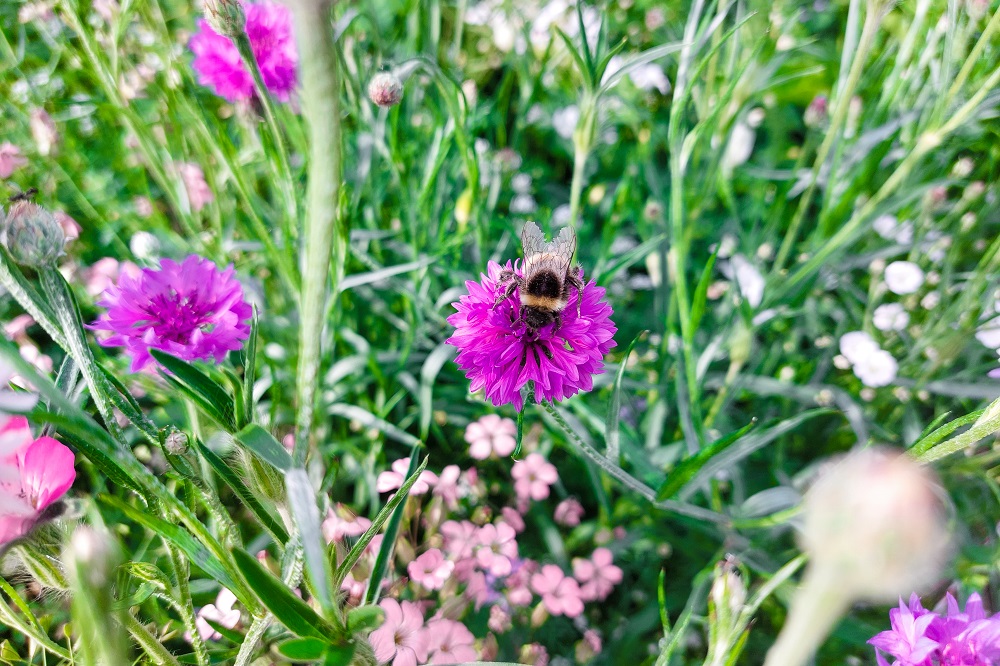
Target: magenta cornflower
{"type": "Point", "coordinates": [190, 310]}
{"type": "Point", "coordinates": [218, 63]}
{"type": "Point", "coordinates": [921, 637]}
{"type": "Point", "coordinates": [501, 355]}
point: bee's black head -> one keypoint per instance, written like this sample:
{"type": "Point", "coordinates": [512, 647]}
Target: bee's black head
{"type": "Point", "coordinates": [536, 318]}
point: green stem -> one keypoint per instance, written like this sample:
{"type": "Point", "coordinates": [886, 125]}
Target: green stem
{"type": "Point", "coordinates": [818, 604]}
{"type": "Point", "coordinates": [148, 642]}
{"type": "Point", "coordinates": [185, 604]}
{"type": "Point", "coordinates": [321, 108]}
{"type": "Point", "coordinates": [252, 640]}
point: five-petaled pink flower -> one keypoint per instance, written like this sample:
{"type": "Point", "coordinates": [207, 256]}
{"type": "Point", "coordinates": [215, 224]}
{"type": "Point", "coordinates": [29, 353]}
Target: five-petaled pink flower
{"type": "Point", "coordinates": [400, 639]}
{"type": "Point", "coordinates": [497, 547]}
{"type": "Point", "coordinates": [560, 593]}
{"type": "Point", "coordinates": [431, 569]}
{"type": "Point", "coordinates": [221, 612]}
{"type": "Point", "coordinates": [597, 576]}
{"type": "Point", "coordinates": [448, 487]}
{"type": "Point", "coordinates": [491, 435]}
{"type": "Point", "coordinates": [568, 512]}
{"type": "Point", "coordinates": [447, 642]}
{"type": "Point", "coordinates": [219, 66]}
{"type": "Point", "coordinates": [336, 527]}
{"type": "Point", "coordinates": [533, 476]}
{"type": "Point", "coordinates": [387, 481]}
{"type": "Point", "coordinates": [34, 473]}
{"type": "Point", "coordinates": [10, 159]}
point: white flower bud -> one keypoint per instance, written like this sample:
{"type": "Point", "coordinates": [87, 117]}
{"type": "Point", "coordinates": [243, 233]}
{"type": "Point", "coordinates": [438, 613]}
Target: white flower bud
{"type": "Point", "coordinates": [385, 89]}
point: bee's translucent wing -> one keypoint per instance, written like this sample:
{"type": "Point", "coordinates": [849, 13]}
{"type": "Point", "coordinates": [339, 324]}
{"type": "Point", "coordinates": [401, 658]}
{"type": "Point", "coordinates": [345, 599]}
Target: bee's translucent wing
{"type": "Point", "coordinates": [555, 256]}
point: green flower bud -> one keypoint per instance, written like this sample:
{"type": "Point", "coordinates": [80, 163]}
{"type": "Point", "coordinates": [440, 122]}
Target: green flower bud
{"type": "Point", "coordinates": [34, 237]}
{"type": "Point", "coordinates": [226, 17]}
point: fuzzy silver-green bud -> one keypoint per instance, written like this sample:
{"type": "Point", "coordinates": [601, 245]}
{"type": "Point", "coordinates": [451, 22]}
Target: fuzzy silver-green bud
{"type": "Point", "coordinates": [176, 443]}
{"type": "Point", "coordinates": [226, 17]}
{"type": "Point", "coordinates": [33, 236]}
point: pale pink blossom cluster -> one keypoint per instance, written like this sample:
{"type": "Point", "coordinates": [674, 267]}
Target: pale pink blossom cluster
{"type": "Point", "coordinates": [873, 365]}
{"type": "Point", "coordinates": [405, 639]}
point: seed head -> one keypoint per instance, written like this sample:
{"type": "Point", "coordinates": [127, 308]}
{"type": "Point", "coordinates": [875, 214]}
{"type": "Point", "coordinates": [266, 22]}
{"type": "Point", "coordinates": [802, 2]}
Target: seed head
{"type": "Point", "coordinates": [34, 237]}
{"type": "Point", "coordinates": [385, 89]}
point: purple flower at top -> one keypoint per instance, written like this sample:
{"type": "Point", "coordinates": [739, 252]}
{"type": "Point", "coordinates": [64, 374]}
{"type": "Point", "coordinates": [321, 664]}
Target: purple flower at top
{"type": "Point", "coordinates": [218, 63]}
{"type": "Point", "coordinates": [500, 354]}
{"type": "Point", "coordinates": [191, 310]}
{"type": "Point", "coordinates": [920, 637]}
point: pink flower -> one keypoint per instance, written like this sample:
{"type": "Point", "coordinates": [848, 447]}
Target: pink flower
{"type": "Point", "coordinates": [219, 66]}
{"type": "Point", "coordinates": [597, 576]}
{"type": "Point", "coordinates": [534, 654]}
{"type": "Point", "coordinates": [34, 473]}
{"type": "Point", "coordinates": [568, 512]}
{"type": "Point", "coordinates": [499, 621]}
{"type": "Point", "coordinates": [10, 159]}
{"type": "Point", "coordinates": [448, 487]}
{"type": "Point", "coordinates": [491, 435]}
{"type": "Point", "coordinates": [198, 192]}
{"type": "Point", "coordinates": [533, 476]}
{"type": "Point", "coordinates": [510, 516]}
{"type": "Point", "coordinates": [221, 612]}
{"type": "Point", "coordinates": [387, 481]}
{"type": "Point", "coordinates": [431, 570]}
{"type": "Point", "coordinates": [560, 593]}
{"type": "Point", "coordinates": [335, 528]}
{"type": "Point", "coordinates": [400, 638]}
{"type": "Point", "coordinates": [69, 226]}
{"type": "Point", "coordinates": [191, 310]}
{"type": "Point", "coordinates": [501, 355]}
{"type": "Point", "coordinates": [447, 642]}
{"type": "Point", "coordinates": [104, 273]}
{"type": "Point", "coordinates": [460, 538]}
{"type": "Point", "coordinates": [518, 583]}
{"type": "Point", "coordinates": [497, 547]}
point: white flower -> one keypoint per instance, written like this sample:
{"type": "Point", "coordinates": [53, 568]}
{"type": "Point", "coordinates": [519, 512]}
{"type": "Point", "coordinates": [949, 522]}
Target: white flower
{"type": "Point", "coordinates": [903, 277]}
{"type": "Point", "coordinates": [648, 76]}
{"type": "Point", "coordinates": [857, 345]}
{"type": "Point", "coordinates": [144, 245]}
{"type": "Point", "coordinates": [989, 335]}
{"type": "Point", "coordinates": [890, 317]}
{"type": "Point", "coordinates": [521, 183]}
{"type": "Point", "coordinates": [560, 216]}
{"type": "Point", "coordinates": [564, 121]}
{"type": "Point", "coordinates": [889, 228]}
{"type": "Point", "coordinates": [740, 146]}
{"type": "Point", "coordinates": [748, 279]}
{"type": "Point", "coordinates": [523, 204]}
{"type": "Point", "coordinates": [876, 369]}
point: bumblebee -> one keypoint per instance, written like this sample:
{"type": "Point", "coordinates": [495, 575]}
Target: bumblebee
{"type": "Point", "coordinates": [548, 276]}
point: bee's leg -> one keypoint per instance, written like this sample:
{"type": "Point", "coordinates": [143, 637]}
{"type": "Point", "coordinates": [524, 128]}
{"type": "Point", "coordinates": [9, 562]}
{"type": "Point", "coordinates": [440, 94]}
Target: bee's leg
{"type": "Point", "coordinates": [557, 319]}
{"type": "Point", "coordinates": [509, 281]}
{"type": "Point", "coordinates": [573, 280]}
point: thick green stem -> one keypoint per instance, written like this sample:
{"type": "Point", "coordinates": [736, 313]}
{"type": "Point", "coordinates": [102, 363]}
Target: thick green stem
{"type": "Point", "coordinates": [321, 108]}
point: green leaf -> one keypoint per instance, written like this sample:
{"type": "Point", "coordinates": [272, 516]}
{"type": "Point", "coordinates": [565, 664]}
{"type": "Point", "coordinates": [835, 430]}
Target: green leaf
{"type": "Point", "coordinates": [389, 540]}
{"type": "Point", "coordinates": [686, 469]}
{"type": "Point", "coordinates": [129, 406]}
{"type": "Point", "coordinates": [612, 435]}
{"type": "Point", "coordinates": [927, 441]}
{"type": "Point", "coordinates": [365, 618]}
{"type": "Point", "coordinates": [638, 60]}
{"type": "Point", "coordinates": [300, 650]}
{"type": "Point", "coordinates": [369, 420]}
{"type": "Point", "coordinates": [287, 608]}
{"type": "Point", "coordinates": [339, 655]}
{"type": "Point", "coordinates": [428, 373]}
{"type": "Point", "coordinates": [182, 539]}
{"type": "Point", "coordinates": [268, 520]}
{"type": "Point", "coordinates": [383, 516]}
{"type": "Point", "coordinates": [302, 503]}
{"type": "Point", "coordinates": [195, 384]}
{"type": "Point", "coordinates": [263, 443]}
{"type": "Point", "coordinates": [520, 434]}
{"type": "Point", "coordinates": [581, 65]}
{"type": "Point", "coordinates": [700, 297]}
{"type": "Point", "coordinates": [640, 252]}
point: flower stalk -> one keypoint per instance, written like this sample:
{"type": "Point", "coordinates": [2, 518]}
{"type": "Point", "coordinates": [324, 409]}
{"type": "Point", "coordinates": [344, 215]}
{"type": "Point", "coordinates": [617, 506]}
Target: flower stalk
{"type": "Point", "coordinates": [321, 108]}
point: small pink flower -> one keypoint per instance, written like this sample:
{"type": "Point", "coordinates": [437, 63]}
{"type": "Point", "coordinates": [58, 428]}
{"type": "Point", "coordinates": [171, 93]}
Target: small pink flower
{"type": "Point", "coordinates": [335, 527]}
{"type": "Point", "coordinates": [447, 642]}
{"type": "Point", "coordinates": [431, 569]}
{"type": "Point", "coordinates": [499, 621]}
{"type": "Point", "coordinates": [497, 547]}
{"type": "Point", "coordinates": [17, 328]}
{"type": "Point", "coordinates": [387, 481]}
{"type": "Point", "coordinates": [491, 435]}
{"type": "Point", "coordinates": [534, 654]}
{"type": "Point", "coordinates": [448, 487]}
{"type": "Point", "coordinates": [597, 576]}
{"type": "Point", "coordinates": [510, 516]}
{"type": "Point", "coordinates": [10, 159]}
{"type": "Point", "coordinates": [568, 512]}
{"type": "Point", "coordinates": [460, 538]}
{"type": "Point", "coordinates": [354, 588]}
{"type": "Point", "coordinates": [518, 583]}
{"type": "Point", "coordinates": [70, 227]}
{"type": "Point", "coordinates": [104, 273]}
{"type": "Point", "coordinates": [560, 593]}
{"type": "Point", "coordinates": [221, 612]}
{"type": "Point", "coordinates": [593, 640]}
{"type": "Point", "coordinates": [198, 192]}
{"type": "Point", "coordinates": [533, 476]}
{"type": "Point", "coordinates": [400, 638]}
{"type": "Point", "coordinates": [33, 475]}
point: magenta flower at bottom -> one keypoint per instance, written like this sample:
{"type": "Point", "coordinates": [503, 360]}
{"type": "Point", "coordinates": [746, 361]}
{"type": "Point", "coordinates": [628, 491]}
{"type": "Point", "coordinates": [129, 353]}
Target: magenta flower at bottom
{"type": "Point", "coordinates": [500, 355]}
{"type": "Point", "coordinates": [190, 310]}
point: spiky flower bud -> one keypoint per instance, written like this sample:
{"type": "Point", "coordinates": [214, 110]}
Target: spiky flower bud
{"type": "Point", "coordinates": [176, 443]}
{"type": "Point", "coordinates": [226, 17]}
{"type": "Point", "coordinates": [33, 236]}
{"type": "Point", "coordinates": [385, 89]}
